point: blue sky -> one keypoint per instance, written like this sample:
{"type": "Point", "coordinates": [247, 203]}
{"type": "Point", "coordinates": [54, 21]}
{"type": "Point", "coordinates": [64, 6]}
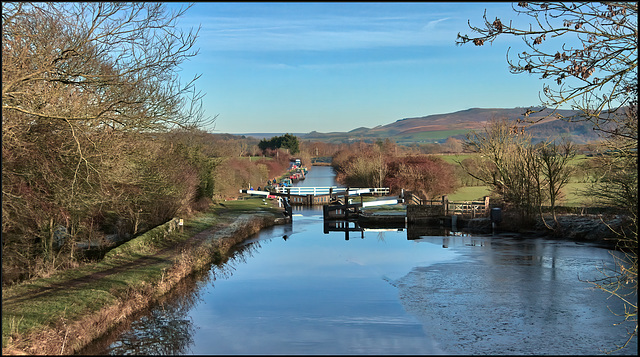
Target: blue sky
{"type": "Point", "coordinates": [300, 67]}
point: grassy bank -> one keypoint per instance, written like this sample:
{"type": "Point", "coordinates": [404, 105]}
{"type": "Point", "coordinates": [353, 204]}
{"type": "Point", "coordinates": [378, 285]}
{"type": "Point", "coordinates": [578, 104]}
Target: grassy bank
{"type": "Point", "coordinates": [62, 313]}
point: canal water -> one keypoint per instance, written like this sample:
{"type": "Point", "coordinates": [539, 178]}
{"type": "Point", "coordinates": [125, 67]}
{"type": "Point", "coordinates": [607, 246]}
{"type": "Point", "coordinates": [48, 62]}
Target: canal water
{"type": "Point", "coordinates": [293, 289]}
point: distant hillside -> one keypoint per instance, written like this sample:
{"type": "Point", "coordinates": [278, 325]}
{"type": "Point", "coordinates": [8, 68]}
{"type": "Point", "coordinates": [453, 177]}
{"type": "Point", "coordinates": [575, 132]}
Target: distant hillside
{"type": "Point", "coordinates": [439, 127]}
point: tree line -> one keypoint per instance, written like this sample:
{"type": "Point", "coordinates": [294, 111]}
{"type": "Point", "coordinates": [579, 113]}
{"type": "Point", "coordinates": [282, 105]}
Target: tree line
{"type": "Point", "coordinates": [592, 66]}
{"type": "Point", "coordinates": [385, 164]}
{"type": "Point", "coordinates": [100, 138]}
{"type": "Point", "coordinates": [287, 141]}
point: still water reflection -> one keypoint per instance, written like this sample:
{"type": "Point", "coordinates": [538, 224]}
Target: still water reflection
{"type": "Point", "coordinates": [294, 290]}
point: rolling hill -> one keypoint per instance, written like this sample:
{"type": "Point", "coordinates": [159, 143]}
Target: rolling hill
{"type": "Point", "coordinates": [439, 127]}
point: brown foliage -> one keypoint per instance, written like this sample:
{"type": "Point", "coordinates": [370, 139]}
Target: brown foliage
{"type": "Point", "coordinates": [372, 165]}
{"type": "Point", "coordinates": [428, 175]}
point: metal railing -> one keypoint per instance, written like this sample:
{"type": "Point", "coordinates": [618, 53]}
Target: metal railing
{"type": "Point", "coordinates": [331, 189]}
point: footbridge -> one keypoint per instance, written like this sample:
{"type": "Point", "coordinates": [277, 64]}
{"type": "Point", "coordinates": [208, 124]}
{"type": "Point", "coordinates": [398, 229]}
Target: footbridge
{"type": "Point", "coordinates": [308, 196]}
{"type": "Point", "coordinates": [332, 189]}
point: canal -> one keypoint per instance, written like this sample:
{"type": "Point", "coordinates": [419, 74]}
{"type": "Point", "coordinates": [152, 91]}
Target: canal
{"type": "Point", "coordinates": [292, 289]}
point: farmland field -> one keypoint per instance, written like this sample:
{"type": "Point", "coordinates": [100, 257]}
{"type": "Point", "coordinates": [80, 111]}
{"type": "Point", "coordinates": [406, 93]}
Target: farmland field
{"type": "Point", "coordinates": [469, 193]}
{"type": "Point", "coordinates": [453, 159]}
{"type": "Point", "coordinates": [428, 136]}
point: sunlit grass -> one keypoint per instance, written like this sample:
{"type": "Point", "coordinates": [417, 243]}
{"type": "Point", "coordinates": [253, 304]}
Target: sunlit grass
{"type": "Point", "coordinates": [455, 158]}
{"type": "Point", "coordinates": [572, 196]}
{"type": "Point", "coordinates": [469, 193]}
{"type": "Point", "coordinates": [32, 305]}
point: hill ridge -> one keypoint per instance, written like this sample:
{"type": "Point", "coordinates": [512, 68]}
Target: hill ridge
{"type": "Point", "coordinates": [439, 127]}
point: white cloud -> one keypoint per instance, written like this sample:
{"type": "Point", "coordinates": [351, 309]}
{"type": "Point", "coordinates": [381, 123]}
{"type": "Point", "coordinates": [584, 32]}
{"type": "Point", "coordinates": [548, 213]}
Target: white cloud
{"type": "Point", "coordinates": [322, 33]}
{"type": "Point", "coordinates": [432, 24]}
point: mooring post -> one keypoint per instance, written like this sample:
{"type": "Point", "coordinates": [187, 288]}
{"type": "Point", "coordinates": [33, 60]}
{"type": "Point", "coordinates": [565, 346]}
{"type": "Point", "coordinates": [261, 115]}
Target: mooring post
{"type": "Point", "coordinates": [346, 204]}
{"type": "Point", "coordinates": [289, 207]}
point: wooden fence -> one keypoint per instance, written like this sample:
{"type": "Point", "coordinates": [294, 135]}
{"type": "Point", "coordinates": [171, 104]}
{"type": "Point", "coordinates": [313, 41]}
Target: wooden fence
{"type": "Point", "coordinates": [471, 209]}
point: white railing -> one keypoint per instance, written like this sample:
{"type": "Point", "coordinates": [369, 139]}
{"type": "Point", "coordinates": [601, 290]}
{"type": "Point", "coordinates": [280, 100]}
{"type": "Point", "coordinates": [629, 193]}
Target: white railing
{"type": "Point", "coordinates": [325, 190]}
{"type": "Point", "coordinates": [307, 190]}
{"type": "Point", "coordinates": [381, 203]}
{"type": "Point", "coordinates": [256, 192]}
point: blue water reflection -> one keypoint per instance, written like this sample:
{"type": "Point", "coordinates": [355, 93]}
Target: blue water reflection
{"type": "Point", "coordinates": [316, 293]}
{"type": "Point", "coordinates": [294, 290]}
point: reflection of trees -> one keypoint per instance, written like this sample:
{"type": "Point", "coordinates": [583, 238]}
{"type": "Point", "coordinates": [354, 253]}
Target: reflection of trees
{"type": "Point", "coordinates": [238, 255]}
{"type": "Point", "coordinates": [166, 328]}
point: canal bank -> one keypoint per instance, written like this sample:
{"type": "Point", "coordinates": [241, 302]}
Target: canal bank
{"type": "Point", "coordinates": [294, 289]}
{"type": "Point", "coordinates": [63, 313]}
{"type": "Point", "coordinates": [297, 290]}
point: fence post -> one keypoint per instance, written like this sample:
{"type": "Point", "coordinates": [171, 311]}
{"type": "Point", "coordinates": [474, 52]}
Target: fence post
{"type": "Point", "coordinates": [346, 204]}
{"type": "Point", "coordinates": [486, 205]}
{"type": "Point", "coordinates": [445, 204]}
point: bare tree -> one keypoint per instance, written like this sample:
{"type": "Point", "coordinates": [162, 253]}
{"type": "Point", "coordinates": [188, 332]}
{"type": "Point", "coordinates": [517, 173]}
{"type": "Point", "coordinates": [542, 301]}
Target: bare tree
{"type": "Point", "coordinates": [509, 165]}
{"type": "Point", "coordinates": [556, 170]}
{"type": "Point", "coordinates": [595, 71]}
{"type": "Point", "coordinates": [587, 56]}
{"type": "Point", "coordinates": [77, 78]}
{"type": "Point", "coordinates": [108, 65]}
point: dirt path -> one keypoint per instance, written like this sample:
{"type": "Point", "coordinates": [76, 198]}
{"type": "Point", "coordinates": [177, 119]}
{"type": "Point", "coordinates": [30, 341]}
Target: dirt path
{"type": "Point", "coordinates": [164, 256]}
{"type": "Point", "coordinates": [69, 335]}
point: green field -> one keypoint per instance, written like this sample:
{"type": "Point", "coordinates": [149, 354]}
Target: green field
{"type": "Point", "coordinates": [571, 192]}
{"type": "Point", "coordinates": [366, 135]}
{"type": "Point", "coordinates": [469, 193]}
{"type": "Point", "coordinates": [572, 196]}
{"type": "Point", "coordinates": [454, 159]}
{"type": "Point", "coordinates": [428, 136]}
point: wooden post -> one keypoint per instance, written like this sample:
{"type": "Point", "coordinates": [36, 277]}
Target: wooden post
{"type": "Point", "coordinates": [486, 205]}
{"type": "Point", "coordinates": [346, 205]}
{"type": "Point", "coordinates": [445, 204]}
{"type": "Point", "coordinates": [289, 208]}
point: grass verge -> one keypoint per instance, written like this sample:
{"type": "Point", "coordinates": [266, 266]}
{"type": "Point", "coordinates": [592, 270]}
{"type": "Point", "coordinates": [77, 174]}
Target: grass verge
{"type": "Point", "coordinates": [62, 313]}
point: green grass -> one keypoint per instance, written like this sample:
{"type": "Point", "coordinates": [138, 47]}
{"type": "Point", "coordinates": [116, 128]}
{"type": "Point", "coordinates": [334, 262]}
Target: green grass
{"type": "Point", "coordinates": [573, 198]}
{"type": "Point", "coordinates": [429, 136]}
{"type": "Point", "coordinates": [24, 311]}
{"type": "Point", "coordinates": [469, 193]}
{"type": "Point", "coordinates": [454, 159]}
{"type": "Point", "coordinates": [253, 204]}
